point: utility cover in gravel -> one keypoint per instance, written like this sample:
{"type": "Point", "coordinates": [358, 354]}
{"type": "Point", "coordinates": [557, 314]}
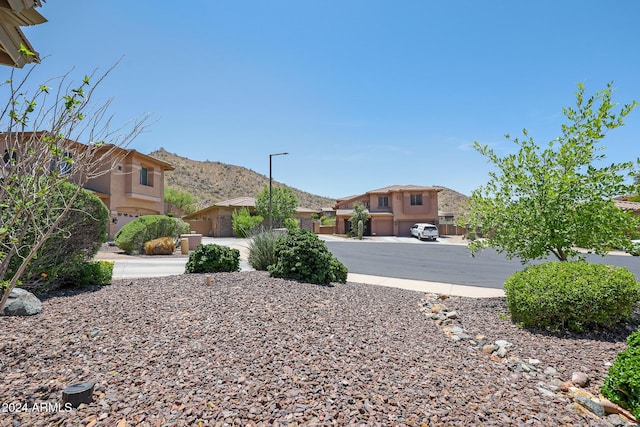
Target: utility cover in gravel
{"type": "Point", "coordinates": [253, 350]}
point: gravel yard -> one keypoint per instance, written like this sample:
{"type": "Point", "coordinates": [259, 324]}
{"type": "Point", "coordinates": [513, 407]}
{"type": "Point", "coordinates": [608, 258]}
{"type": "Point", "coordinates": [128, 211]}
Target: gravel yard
{"type": "Point", "coordinates": [253, 350]}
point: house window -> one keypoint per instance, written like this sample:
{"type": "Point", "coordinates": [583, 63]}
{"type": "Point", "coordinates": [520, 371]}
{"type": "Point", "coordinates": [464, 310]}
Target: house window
{"type": "Point", "coordinates": [416, 199]}
{"type": "Point", "coordinates": [65, 163]}
{"type": "Point", "coordinates": [144, 176]}
{"type": "Point", "coordinates": [61, 164]}
{"type": "Point", "coordinates": [6, 158]}
{"type": "Point", "coordinates": [383, 201]}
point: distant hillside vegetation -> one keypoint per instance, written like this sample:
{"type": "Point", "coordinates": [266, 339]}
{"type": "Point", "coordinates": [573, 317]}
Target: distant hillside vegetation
{"type": "Point", "coordinates": [212, 182]}
{"type": "Point", "coordinates": [451, 201]}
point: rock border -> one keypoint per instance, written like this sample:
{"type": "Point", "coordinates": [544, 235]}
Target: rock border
{"type": "Point", "coordinates": [502, 351]}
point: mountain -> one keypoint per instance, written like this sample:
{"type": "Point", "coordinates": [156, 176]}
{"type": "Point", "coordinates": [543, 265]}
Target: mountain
{"type": "Point", "coordinates": [212, 182]}
{"type": "Point", "coordinates": [450, 201]}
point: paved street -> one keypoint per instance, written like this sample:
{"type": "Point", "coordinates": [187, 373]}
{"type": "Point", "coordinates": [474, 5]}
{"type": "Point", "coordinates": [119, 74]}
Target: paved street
{"type": "Point", "coordinates": [443, 267]}
{"type": "Point", "coordinates": [441, 261]}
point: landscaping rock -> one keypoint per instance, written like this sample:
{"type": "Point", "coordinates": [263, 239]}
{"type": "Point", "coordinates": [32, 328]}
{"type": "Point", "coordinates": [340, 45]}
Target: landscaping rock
{"type": "Point", "coordinates": [579, 379]}
{"type": "Point", "coordinates": [21, 303]}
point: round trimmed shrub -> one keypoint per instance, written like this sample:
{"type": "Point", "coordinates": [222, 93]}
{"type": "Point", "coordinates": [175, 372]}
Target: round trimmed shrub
{"type": "Point", "coordinates": [212, 259]}
{"type": "Point", "coordinates": [132, 236]}
{"type": "Point", "coordinates": [571, 295]}
{"type": "Point", "coordinates": [76, 240]}
{"type": "Point", "coordinates": [302, 256]}
{"type": "Point", "coordinates": [622, 385]}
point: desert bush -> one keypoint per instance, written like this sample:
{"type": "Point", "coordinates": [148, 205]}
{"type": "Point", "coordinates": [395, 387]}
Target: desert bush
{"type": "Point", "coordinates": [634, 249]}
{"type": "Point", "coordinates": [77, 239]}
{"type": "Point", "coordinates": [301, 255]}
{"type": "Point", "coordinates": [160, 246]}
{"type": "Point", "coordinates": [132, 236]}
{"type": "Point", "coordinates": [571, 295]}
{"type": "Point", "coordinates": [262, 249]}
{"type": "Point", "coordinates": [291, 224]}
{"type": "Point", "coordinates": [213, 258]}
{"type": "Point", "coordinates": [244, 224]}
{"type": "Point", "coordinates": [91, 273]}
{"type": "Point", "coordinates": [622, 385]}
{"type": "Point", "coordinates": [325, 220]}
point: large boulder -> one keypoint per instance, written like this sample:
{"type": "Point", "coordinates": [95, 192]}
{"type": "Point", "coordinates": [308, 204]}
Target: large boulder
{"type": "Point", "coordinates": [21, 303]}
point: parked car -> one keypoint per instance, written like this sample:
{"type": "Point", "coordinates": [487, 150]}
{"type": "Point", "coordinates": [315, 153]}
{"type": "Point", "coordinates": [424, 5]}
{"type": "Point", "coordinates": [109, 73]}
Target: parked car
{"type": "Point", "coordinates": [424, 231]}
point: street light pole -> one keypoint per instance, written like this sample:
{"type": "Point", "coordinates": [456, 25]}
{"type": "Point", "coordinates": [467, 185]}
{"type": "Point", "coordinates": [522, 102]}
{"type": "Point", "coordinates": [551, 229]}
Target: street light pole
{"type": "Point", "coordinates": [270, 188]}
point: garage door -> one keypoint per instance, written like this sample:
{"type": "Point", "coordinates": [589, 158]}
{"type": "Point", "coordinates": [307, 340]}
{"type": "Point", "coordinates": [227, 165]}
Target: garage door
{"type": "Point", "coordinates": [383, 227]}
{"type": "Point", "coordinates": [404, 228]}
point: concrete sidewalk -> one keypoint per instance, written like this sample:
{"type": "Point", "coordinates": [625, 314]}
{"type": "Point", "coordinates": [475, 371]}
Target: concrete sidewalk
{"type": "Point", "coordinates": [130, 266]}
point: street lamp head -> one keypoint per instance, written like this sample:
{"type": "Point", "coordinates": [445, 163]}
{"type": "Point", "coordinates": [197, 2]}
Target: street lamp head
{"type": "Point", "coordinates": [278, 154]}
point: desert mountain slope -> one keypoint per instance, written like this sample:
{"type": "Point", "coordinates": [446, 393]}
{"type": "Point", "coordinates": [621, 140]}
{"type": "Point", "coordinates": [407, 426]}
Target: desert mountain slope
{"type": "Point", "coordinates": [211, 182]}
{"type": "Point", "coordinates": [450, 201]}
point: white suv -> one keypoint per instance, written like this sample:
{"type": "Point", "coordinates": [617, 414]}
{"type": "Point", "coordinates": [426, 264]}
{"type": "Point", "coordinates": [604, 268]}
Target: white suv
{"type": "Point", "coordinates": [424, 231]}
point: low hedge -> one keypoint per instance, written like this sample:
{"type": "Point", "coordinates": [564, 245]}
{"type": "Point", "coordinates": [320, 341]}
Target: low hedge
{"type": "Point", "coordinates": [622, 385]}
{"type": "Point", "coordinates": [571, 295]}
{"type": "Point", "coordinates": [90, 273]}
{"type": "Point", "coordinates": [132, 236]}
{"type": "Point", "coordinates": [301, 255]}
{"type": "Point", "coordinates": [212, 259]}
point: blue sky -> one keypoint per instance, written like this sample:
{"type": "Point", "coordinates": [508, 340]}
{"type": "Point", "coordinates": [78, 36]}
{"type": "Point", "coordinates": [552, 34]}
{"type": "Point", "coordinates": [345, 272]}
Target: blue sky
{"type": "Point", "coordinates": [362, 94]}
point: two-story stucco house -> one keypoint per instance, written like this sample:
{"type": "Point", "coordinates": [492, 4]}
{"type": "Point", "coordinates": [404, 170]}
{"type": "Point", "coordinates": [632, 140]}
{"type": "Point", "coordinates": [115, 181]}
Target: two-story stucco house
{"type": "Point", "coordinates": [393, 210]}
{"type": "Point", "coordinates": [132, 183]}
{"type": "Point", "coordinates": [133, 187]}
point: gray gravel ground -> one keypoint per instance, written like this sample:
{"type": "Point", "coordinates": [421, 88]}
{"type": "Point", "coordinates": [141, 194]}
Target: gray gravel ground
{"type": "Point", "coordinates": [253, 350]}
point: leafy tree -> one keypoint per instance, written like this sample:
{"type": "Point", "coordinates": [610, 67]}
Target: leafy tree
{"type": "Point", "coordinates": [359, 213]}
{"type": "Point", "coordinates": [41, 129]}
{"type": "Point", "coordinates": [554, 199]}
{"type": "Point", "coordinates": [244, 224]}
{"type": "Point", "coordinates": [182, 200]}
{"type": "Point", "coordinates": [76, 241]}
{"type": "Point", "coordinates": [283, 204]}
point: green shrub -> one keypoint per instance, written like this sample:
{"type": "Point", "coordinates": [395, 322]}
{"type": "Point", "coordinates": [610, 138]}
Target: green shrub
{"type": "Point", "coordinates": [132, 236]}
{"type": "Point", "coordinates": [622, 385]}
{"type": "Point", "coordinates": [300, 255]}
{"type": "Point", "coordinates": [634, 249]}
{"type": "Point", "coordinates": [262, 249]}
{"type": "Point", "coordinates": [325, 220]}
{"type": "Point", "coordinates": [77, 239]}
{"type": "Point", "coordinates": [91, 273]}
{"type": "Point", "coordinates": [291, 223]}
{"type": "Point", "coordinates": [244, 224]}
{"type": "Point", "coordinates": [213, 258]}
{"type": "Point", "coordinates": [571, 295]}
{"type": "Point", "coordinates": [338, 271]}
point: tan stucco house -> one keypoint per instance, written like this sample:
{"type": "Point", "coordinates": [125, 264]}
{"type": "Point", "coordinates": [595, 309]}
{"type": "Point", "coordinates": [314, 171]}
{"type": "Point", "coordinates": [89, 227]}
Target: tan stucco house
{"type": "Point", "coordinates": [393, 210]}
{"type": "Point", "coordinates": [129, 183]}
{"type": "Point", "coordinates": [625, 205]}
{"type": "Point", "coordinates": [133, 187]}
{"type": "Point", "coordinates": [217, 220]}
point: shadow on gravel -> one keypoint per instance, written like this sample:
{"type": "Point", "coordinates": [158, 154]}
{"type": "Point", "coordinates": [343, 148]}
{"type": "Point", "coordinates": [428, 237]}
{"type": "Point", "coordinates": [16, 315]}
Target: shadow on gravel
{"type": "Point", "coordinates": [66, 292]}
{"type": "Point", "coordinates": [615, 334]}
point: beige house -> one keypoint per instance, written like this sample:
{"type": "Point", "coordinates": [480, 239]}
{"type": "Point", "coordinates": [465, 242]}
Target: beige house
{"type": "Point", "coordinates": [625, 205]}
{"type": "Point", "coordinates": [217, 219]}
{"type": "Point", "coordinates": [393, 210]}
{"type": "Point", "coordinates": [132, 183]}
{"type": "Point", "coordinates": [134, 186]}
